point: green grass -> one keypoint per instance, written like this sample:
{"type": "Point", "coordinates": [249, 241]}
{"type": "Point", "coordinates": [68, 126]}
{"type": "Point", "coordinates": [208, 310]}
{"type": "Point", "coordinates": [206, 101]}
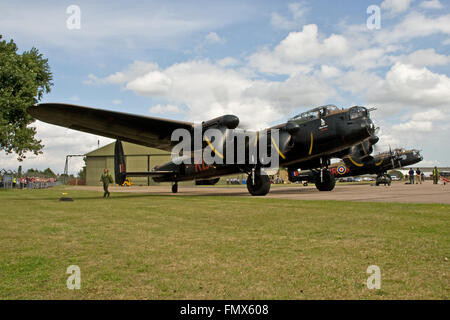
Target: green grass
{"type": "Point", "coordinates": [203, 247]}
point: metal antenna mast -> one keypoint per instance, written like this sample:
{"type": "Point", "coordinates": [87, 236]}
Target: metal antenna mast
{"type": "Point", "coordinates": [66, 166]}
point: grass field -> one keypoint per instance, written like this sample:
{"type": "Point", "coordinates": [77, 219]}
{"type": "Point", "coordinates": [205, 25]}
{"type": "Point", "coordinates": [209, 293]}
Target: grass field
{"type": "Point", "coordinates": [204, 247]}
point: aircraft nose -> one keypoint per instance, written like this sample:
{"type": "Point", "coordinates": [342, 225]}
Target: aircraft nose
{"type": "Point", "coordinates": [370, 126]}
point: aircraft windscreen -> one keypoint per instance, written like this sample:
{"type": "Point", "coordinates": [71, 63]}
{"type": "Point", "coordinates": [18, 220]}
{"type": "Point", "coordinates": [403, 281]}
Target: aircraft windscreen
{"type": "Point", "coordinates": [357, 112]}
{"type": "Point", "coordinates": [315, 113]}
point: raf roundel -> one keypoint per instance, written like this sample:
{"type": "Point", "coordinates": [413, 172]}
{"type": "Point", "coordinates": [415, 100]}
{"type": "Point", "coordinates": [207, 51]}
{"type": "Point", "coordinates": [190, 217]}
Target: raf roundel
{"type": "Point", "coordinates": [341, 169]}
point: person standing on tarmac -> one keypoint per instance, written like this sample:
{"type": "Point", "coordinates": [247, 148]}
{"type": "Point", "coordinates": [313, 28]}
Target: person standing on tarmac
{"type": "Point", "coordinates": [419, 176]}
{"type": "Point", "coordinates": [435, 175]}
{"type": "Point", "coordinates": [411, 176]}
{"type": "Point", "coordinates": [106, 179]}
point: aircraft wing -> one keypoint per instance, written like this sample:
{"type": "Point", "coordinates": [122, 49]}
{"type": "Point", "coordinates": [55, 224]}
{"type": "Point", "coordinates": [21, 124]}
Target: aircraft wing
{"type": "Point", "coordinates": [147, 131]}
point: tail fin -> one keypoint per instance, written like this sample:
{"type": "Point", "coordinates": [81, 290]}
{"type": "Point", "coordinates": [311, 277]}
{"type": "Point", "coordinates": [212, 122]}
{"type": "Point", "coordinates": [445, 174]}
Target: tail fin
{"type": "Point", "coordinates": [120, 168]}
{"type": "Point", "coordinates": [119, 163]}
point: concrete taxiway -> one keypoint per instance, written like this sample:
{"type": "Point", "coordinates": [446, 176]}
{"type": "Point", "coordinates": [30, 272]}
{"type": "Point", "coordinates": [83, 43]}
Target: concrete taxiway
{"type": "Point", "coordinates": [397, 192]}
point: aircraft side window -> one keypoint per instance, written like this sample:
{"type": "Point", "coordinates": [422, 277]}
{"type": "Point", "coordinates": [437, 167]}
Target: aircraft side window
{"type": "Point", "coordinates": [356, 112]}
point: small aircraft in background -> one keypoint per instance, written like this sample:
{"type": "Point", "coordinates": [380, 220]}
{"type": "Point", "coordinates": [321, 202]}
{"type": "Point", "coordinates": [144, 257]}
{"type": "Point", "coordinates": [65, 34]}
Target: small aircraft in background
{"type": "Point", "coordinates": [354, 165]}
{"type": "Point", "coordinates": [306, 141]}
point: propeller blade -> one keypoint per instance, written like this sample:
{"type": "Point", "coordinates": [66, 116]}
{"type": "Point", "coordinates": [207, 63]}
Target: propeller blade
{"type": "Point", "coordinates": [392, 157]}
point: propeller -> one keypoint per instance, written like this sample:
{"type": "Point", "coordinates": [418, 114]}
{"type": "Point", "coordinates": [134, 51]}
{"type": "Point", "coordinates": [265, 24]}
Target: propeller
{"type": "Point", "coordinates": [391, 154]}
{"type": "Point", "coordinates": [395, 158]}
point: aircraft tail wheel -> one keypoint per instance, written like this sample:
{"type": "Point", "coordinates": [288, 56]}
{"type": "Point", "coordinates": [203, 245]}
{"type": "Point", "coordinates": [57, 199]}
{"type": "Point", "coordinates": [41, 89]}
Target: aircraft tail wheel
{"type": "Point", "coordinates": [175, 188]}
{"type": "Point", "coordinates": [327, 182]}
{"type": "Point", "coordinates": [258, 185]}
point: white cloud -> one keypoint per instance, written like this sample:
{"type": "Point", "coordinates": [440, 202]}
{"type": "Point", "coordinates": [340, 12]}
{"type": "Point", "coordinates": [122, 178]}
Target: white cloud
{"type": "Point", "coordinates": [431, 4]}
{"type": "Point", "coordinates": [426, 57]}
{"type": "Point", "coordinates": [414, 25]}
{"type": "Point", "coordinates": [421, 121]}
{"type": "Point", "coordinates": [152, 83]}
{"type": "Point", "coordinates": [209, 90]}
{"type": "Point", "coordinates": [214, 38]}
{"type": "Point", "coordinates": [396, 6]}
{"type": "Point", "coordinates": [117, 101]}
{"type": "Point", "coordinates": [136, 69]}
{"type": "Point", "coordinates": [418, 126]}
{"type": "Point", "coordinates": [370, 58]}
{"type": "Point", "coordinates": [357, 82]}
{"type": "Point", "coordinates": [407, 86]}
{"type": "Point", "coordinates": [227, 62]}
{"type": "Point", "coordinates": [429, 115]}
{"type": "Point", "coordinates": [356, 67]}
{"type": "Point", "coordinates": [327, 71]}
{"type": "Point", "coordinates": [299, 51]}
{"type": "Point", "coordinates": [304, 45]}
{"type": "Point", "coordinates": [296, 10]}
{"type": "Point", "coordinates": [163, 109]}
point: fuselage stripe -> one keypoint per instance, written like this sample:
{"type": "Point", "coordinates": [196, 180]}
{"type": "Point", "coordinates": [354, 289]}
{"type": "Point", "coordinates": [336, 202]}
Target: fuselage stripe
{"type": "Point", "coordinates": [276, 147]}
{"type": "Point", "coordinates": [355, 163]}
{"type": "Point", "coordinates": [212, 148]}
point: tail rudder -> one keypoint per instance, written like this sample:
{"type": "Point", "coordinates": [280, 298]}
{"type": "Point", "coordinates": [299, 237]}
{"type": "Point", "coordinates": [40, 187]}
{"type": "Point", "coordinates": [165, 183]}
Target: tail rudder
{"type": "Point", "coordinates": [120, 168]}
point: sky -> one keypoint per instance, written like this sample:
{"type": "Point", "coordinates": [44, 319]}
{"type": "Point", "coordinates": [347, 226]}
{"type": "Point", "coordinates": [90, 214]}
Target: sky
{"type": "Point", "coordinates": [264, 61]}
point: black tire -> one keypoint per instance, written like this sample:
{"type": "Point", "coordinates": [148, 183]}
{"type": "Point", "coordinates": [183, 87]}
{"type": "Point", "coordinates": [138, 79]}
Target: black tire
{"type": "Point", "coordinates": [175, 188]}
{"type": "Point", "coordinates": [261, 186]}
{"type": "Point", "coordinates": [389, 180]}
{"type": "Point", "coordinates": [328, 182]}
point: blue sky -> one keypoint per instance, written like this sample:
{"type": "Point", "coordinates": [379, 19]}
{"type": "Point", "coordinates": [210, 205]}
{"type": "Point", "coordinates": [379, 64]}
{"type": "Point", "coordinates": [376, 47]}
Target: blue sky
{"type": "Point", "coordinates": [261, 60]}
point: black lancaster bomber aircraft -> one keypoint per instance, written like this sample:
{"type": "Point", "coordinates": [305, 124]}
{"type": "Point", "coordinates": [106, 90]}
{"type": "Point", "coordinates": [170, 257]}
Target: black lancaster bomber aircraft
{"type": "Point", "coordinates": [307, 141]}
{"type": "Point", "coordinates": [356, 165]}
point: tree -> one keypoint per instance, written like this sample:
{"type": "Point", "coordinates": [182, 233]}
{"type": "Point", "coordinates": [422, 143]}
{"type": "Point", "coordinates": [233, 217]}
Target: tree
{"type": "Point", "coordinates": [82, 172]}
{"type": "Point", "coordinates": [24, 78]}
{"type": "Point", "coordinates": [49, 173]}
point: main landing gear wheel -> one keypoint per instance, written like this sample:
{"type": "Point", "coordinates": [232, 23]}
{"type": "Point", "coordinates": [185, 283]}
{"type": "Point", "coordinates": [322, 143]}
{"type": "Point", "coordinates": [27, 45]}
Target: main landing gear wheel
{"type": "Point", "coordinates": [175, 188]}
{"type": "Point", "coordinates": [261, 186]}
{"type": "Point", "coordinates": [383, 179]}
{"type": "Point", "coordinates": [327, 183]}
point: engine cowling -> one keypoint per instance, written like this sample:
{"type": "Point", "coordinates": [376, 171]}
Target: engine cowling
{"type": "Point", "coordinates": [229, 121]}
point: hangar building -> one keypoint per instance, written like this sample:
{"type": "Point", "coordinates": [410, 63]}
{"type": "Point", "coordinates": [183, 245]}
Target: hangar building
{"type": "Point", "coordinates": [138, 158]}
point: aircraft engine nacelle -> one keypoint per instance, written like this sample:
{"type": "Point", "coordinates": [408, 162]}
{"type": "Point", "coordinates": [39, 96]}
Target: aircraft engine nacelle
{"type": "Point", "coordinates": [208, 182]}
{"type": "Point", "coordinates": [229, 121]}
{"type": "Point", "coordinates": [365, 148]}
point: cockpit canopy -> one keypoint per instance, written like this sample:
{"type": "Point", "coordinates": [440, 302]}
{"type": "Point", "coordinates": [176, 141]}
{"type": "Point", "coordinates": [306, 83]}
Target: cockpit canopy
{"type": "Point", "coordinates": [416, 152]}
{"type": "Point", "coordinates": [357, 112]}
{"type": "Point", "coordinates": [315, 113]}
